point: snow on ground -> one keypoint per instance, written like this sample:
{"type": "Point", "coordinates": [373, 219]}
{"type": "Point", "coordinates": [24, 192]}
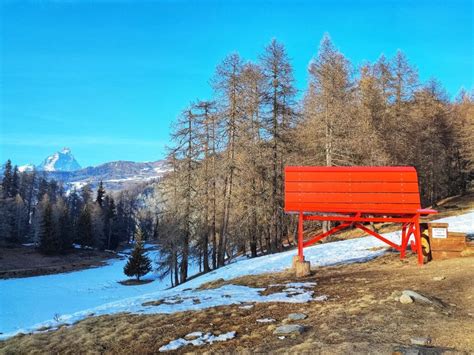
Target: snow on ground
{"type": "Point", "coordinates": [29, 303]}
{"type": "Point", "coordinates": [199, 339]}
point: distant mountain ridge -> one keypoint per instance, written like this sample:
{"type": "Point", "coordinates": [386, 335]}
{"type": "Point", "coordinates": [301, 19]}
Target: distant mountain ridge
{"type": "Point", "coordinates": [116, 175]}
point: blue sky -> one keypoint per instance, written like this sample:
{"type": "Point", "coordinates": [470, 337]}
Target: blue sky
{"type": "Point", "coordinates": [107, 78]}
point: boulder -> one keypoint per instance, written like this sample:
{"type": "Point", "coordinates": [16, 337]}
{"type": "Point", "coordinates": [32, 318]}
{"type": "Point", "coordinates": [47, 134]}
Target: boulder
{"type": "Point", "coordinates": [289, 329]}
{"type": "Point", "coordinates": [423, 341]}
{"type": "Point", "coordinates": [297, 316]}
{"type": "Point", "coordinates": [406, 299]}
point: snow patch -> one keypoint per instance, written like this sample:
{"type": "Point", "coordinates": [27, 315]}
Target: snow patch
{"type": "Point", "coordinates": [266, 320]}
{"type": "Point", "coordinates": [208, 338]}
{"type": "Point", "coordinates": [29, 303]}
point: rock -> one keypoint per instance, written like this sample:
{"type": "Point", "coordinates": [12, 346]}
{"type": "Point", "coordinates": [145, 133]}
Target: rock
{"type": "Point", "coordinates": [297, 316]}
{"type": "Point", "coordinates": [406, 299]}
{"type": "Point", "coordinates": [289, 329]}
{"type": "Point", "coordinates": [423, 341]}
{"type": "Point", "coordinates": [439, 278]}
{"type": "Point", "coordinates": [417, 297]}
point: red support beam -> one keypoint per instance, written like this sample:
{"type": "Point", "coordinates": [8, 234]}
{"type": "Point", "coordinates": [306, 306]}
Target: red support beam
{"type": "Point", "coordinates": [324, 235]}
{"type": "Point", "coordinates": [378, 236]}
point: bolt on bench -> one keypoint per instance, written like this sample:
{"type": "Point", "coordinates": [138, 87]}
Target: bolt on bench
{"type": "Point", "coordinates": [353, 195]}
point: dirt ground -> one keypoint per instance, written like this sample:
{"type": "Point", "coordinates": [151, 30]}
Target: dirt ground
{"type": "Point", "coordinates": [27, 261]}
{"type": "Point", "coordinates": [362, 315]}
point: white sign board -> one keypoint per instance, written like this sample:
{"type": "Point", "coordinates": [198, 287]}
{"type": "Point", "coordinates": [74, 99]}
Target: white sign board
{"type": "Point", "coordinates": [439, 232]}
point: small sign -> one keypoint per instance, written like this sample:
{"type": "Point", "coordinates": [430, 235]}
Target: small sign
{"type": "Point", "coordinates": [439, 232]}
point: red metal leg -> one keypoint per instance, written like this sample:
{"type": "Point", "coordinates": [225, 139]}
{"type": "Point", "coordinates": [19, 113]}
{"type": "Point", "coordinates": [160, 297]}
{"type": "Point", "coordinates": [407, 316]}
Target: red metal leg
{"type": "Point", "coordinates": [418, 240]}
{"type": "Point", "coordinates": [403, 246]}
{"type": "Point", "coordinates": [300, 237]}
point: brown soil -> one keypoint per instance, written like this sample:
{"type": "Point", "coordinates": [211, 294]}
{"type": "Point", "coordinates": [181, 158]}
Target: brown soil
{"type": "Point", "coordinates": [27, 261]}
{"type": "Point", "coordinates": [361, 315]}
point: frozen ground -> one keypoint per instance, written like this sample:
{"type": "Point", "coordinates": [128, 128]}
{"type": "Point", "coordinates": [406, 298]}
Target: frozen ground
{"type": "Point", "coordinates": [27, 304]}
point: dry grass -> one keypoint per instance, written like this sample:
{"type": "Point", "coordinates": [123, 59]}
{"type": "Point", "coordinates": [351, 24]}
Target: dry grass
{"type": "Point", "coordinates": [361, 315]}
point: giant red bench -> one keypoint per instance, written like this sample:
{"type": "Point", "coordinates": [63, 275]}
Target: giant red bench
{"type": "Point", "coordinates": [354, 195]}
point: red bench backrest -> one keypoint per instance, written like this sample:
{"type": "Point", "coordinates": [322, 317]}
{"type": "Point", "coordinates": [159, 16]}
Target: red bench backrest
{"type": "Point", "coordinates": [388, 190]}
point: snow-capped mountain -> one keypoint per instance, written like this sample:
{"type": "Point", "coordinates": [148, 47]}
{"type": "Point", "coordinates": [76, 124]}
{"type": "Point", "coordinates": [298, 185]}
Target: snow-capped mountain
{"type": "Point", "coordinates": [60, 161]}
{"type": "Point", "coordinates": [117, 175]}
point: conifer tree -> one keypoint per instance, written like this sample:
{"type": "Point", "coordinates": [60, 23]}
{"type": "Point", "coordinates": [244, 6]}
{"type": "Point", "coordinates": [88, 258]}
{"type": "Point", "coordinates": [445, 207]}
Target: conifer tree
{"type": "Point", "coordinates": [100, 194]}
{"type": "Point", "coordinates": [49, 241]}
{"type": "Point", "coordinates": [15, 186]}
{"type": "Point", "coordinates": [138, 264]}
{"type": "Point", "coordinates": [7, 179]}
{"type": "Point", "coordinates": [86, 194]}
{"type": "Point", "coordinates": [84, 227]}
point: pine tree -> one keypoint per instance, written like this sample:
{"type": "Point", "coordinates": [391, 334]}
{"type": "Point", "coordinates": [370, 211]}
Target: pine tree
{"type": "Point", "coordinates": [84, 227]}
{"type": "Point", "coordinates": [138, 264]}
{"type": "Point", "coordinates": [49, 241]}
{"type": "Point", "coordinates": [62, 219]}
{"type": "Point", "coordinates": [7, 179]}
{"type": "Point", "coordinates": [100, 194]}
{"type": "Point", "coordinates": [110, 224]}
{"type": "Point", "coordinates": [15, 186]}
{"type": "Point", "coordinates": [86, 194]}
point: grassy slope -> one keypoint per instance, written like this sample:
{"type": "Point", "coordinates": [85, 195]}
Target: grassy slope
{"type": "Point", "coordinates": [361, 314]}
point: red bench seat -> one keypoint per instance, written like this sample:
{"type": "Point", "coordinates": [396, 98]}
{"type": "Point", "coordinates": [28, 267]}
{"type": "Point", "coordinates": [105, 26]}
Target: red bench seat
{"type": "Point", "coordinates": [353, 195]}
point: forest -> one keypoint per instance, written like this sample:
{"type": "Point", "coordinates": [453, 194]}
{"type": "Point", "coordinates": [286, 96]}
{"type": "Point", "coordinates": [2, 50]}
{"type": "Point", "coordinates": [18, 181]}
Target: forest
{"type": "Point", "coordinates": [223, 194]}
{"type": "Point", "coordinates": [36, 210]}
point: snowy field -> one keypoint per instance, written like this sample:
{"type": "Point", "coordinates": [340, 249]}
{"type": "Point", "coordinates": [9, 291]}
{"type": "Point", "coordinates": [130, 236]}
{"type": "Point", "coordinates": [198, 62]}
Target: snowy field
{"type": "Point", "coordinates": [27, 304]}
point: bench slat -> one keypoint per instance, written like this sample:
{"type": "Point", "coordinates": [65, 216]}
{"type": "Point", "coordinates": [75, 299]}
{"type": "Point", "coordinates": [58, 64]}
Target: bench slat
{"type": "Point", "coordinates": [354, 197]}
{"type": "Point", "coordinates": [378, 187]}
{"type": "Point", "coordinates": [352, 207]}
{"type": "Point", "coordinates": [356, 176]}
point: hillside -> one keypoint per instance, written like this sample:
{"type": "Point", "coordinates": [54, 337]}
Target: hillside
{"type": "Point", "coordinates": [344, 303]}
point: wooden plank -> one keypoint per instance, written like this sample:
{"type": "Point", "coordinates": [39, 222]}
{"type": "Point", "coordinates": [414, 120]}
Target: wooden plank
{"type": "Point", "coordinates": [442, 255]}
{"type": "Point", "coordinates": [454, 242]}
{"type": "Point", "coordinates": [385, 198]}
{"type": "Point", "coordinates": [351, 207]}
{"type": "Point", "coordinates": [362, 176]}
{"type": "Point", "coordinates": [349, 168]}
{"type": "Point", "coordinates": [323, 186]}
